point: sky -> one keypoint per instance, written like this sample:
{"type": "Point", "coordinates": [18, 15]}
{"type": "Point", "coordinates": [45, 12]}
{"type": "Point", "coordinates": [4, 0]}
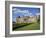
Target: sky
{"type": "Point", "coordinates": [24, 11]}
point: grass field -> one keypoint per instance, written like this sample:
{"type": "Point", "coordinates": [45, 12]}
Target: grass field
{"type": "Point", "coordinates": [26, 26]}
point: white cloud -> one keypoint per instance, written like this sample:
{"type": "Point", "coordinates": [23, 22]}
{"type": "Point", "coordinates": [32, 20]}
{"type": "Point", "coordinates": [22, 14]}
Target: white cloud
{"type": "Point", "coordinates": [25, 12]}
{"type": "Point", "coordinates": [37, 13]}
{"type": "Point", "coordinates": [14, 9]}
{"type": "Point", "coordinates": [28, 14]}
{"type": "Point", "coordinates": [21, 11]}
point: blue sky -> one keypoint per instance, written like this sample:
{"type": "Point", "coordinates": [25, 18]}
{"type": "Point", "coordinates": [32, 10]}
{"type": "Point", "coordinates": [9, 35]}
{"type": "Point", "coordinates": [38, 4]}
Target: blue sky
{"type": "Point", "coordinates": [24, 11]}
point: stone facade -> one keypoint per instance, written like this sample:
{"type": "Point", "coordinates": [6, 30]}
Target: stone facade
{"type": "Point", "coordinates": [27, 19]}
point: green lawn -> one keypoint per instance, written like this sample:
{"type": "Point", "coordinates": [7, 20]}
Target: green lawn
{"type": "Point", "coordinates": [27, 26]}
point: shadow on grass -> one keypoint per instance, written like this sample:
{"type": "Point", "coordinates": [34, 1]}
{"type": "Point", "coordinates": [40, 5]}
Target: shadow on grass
{"type": "Point", "coordinates": [20, 25]}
